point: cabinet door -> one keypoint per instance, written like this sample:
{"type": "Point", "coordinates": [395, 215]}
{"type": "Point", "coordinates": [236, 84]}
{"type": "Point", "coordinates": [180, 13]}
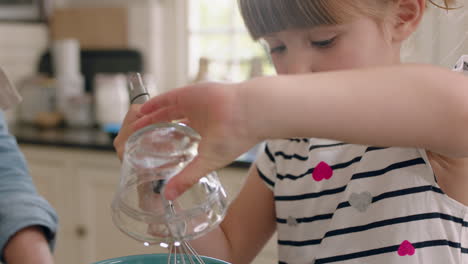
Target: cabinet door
{"type": "Point", "coordinates": [97, 182]}
{"type": "Point", "coordinates": [50, 173]}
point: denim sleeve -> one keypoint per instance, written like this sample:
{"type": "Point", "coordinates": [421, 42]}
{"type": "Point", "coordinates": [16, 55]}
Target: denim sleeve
{"type": "Point", "coordinates": [20, 204]}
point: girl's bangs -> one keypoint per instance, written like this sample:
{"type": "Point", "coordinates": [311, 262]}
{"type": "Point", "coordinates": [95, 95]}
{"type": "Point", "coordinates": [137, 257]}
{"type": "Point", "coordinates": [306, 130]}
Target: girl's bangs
{"type": "Point", "coordinates": [263, 17]}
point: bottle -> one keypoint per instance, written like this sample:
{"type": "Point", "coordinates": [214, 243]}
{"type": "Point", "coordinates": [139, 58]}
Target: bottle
{"type": "Point", "coordinates": [111, 98]}
{"type": "Point", "coordinates": [203, 70]}
{"type": "Point", "coordinates": [256, 67]}
{"type": "Point", "coordinates": [152, 156]}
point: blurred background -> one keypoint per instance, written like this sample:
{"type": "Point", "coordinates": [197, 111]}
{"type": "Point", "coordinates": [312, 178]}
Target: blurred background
{"type": "Point", "coordinates": [79, 46]}
{"type": "Point", "coordinates": [69, 60]}
{"type": "Point", "coordinates": [173, 42]}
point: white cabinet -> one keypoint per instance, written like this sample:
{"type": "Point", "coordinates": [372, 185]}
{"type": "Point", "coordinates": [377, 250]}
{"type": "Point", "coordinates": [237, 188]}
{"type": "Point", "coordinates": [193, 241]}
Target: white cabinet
{"type": "Point", "coordinates": [80, 185]}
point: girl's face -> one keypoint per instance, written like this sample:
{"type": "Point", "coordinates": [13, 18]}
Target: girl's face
{"type": "Point", "coordinates": [361, 43]}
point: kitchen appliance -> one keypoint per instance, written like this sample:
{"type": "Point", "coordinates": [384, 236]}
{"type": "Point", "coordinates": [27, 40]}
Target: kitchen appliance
{"type": "Point", "coordinates": [95, 61]}
{"type": "Point", "coordinates": [67, 65]}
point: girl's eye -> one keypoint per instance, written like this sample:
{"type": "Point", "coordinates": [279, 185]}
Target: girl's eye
{"type": "Point", "coordinates": [324, 43]}
{"type": "Point", "coordinates": [278, 49]}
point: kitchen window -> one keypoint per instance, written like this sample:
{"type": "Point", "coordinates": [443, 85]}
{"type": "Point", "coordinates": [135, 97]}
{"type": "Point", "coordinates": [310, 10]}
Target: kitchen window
{"type": "Point", "coordinates": [216, 32]}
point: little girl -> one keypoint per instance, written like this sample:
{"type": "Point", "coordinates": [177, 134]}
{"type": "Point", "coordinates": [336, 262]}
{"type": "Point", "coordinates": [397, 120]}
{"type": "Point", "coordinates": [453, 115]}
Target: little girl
{"type": "Point", "coordinates": [365, 158]}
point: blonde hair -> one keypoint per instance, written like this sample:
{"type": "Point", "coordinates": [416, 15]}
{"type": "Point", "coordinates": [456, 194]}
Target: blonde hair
{"type": "Point", "coordinates": [263, 17]}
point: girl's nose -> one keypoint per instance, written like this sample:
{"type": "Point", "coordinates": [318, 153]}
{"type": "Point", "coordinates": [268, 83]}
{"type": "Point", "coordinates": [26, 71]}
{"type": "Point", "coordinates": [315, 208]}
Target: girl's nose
{"type": "Point", "coordinates": [299, 64]}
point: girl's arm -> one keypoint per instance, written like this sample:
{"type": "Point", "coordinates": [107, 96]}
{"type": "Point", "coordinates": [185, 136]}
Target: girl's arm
{"type": "Point", "coordinates": [29, 245]}
{"type": "Point", "coordinates": [404, 105]}
{"type": "Point", "coordinates": [249, 224]}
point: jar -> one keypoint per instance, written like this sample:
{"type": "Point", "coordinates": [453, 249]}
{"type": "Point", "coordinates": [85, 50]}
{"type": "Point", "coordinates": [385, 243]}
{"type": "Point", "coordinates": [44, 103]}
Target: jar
{"type": "Point", "coordinates": [153, 155]}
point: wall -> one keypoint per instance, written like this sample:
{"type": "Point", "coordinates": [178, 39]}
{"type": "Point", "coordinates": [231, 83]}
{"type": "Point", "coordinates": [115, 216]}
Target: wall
{"type": "Point", "coordinates": [21, 45]}
{"type": "Point", "coordinates": [20, 48]}
{"type": "Point", "coordinates": [441, 38]}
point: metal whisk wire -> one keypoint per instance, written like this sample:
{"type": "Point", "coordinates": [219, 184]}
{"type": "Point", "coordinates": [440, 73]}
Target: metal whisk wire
{"type": "Point", "coordinates": [186, 251]}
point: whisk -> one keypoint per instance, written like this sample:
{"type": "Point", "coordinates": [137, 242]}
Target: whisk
{"type": "Point", "coordinates": [186, 253]}
{"type": "Point", "coordinates": [180, 251]}
{"type": "Point", "coordinates": [180, 257]}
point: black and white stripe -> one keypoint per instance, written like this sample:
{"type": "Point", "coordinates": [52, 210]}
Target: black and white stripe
{"type": "Point", "coordinates": [395, 176]}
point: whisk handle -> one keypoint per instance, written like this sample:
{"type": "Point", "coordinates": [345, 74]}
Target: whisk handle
{"type": "Point", "coordinates": [136, 89]}
{"type": "Point", "coordinates": [138, 94]}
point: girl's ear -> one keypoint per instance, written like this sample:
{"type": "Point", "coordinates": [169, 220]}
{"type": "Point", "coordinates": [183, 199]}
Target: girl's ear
{"type": "Point", "coordinates": [406, 17]}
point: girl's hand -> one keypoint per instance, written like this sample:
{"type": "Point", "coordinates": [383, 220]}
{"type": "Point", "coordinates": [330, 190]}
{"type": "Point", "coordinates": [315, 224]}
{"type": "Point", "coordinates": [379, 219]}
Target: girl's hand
{"type": "Point", "coordinates": [127, 129]}
{"type": "Point", "coordinates": [218, 113]}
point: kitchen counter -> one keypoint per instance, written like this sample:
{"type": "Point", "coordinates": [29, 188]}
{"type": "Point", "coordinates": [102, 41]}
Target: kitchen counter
{"type": "Point", "coordinates": [81, 138]}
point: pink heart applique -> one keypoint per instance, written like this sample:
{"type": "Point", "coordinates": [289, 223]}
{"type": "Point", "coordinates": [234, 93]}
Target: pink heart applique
{"type": "Point", "coordinates": [322, 171]}
{"type": "Point", "coordinates": [406, 248]}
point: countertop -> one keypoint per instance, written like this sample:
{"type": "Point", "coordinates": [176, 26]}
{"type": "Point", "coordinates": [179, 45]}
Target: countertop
{"type": "Point", "coordinates": [82, 138]}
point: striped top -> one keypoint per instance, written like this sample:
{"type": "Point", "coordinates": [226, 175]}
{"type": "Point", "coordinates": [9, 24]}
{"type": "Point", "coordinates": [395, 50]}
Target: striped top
{"type": "Point", "coordinates": [345, 203]}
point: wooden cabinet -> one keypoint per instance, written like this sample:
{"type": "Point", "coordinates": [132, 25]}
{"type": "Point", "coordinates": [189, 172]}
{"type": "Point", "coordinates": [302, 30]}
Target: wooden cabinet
{"type": "Point", "coordinates": [80, 185]}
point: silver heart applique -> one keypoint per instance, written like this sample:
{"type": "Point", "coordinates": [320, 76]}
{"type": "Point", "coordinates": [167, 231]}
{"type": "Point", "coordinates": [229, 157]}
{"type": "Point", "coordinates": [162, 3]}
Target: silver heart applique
{"type": "Point", "coordinates": [360, 201]}
{"type": "Point", "coordinates": [292, 221]}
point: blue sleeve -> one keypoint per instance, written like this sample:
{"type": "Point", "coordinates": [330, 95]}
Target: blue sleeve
{"type": "Point", "coordinates": [20, 204]}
